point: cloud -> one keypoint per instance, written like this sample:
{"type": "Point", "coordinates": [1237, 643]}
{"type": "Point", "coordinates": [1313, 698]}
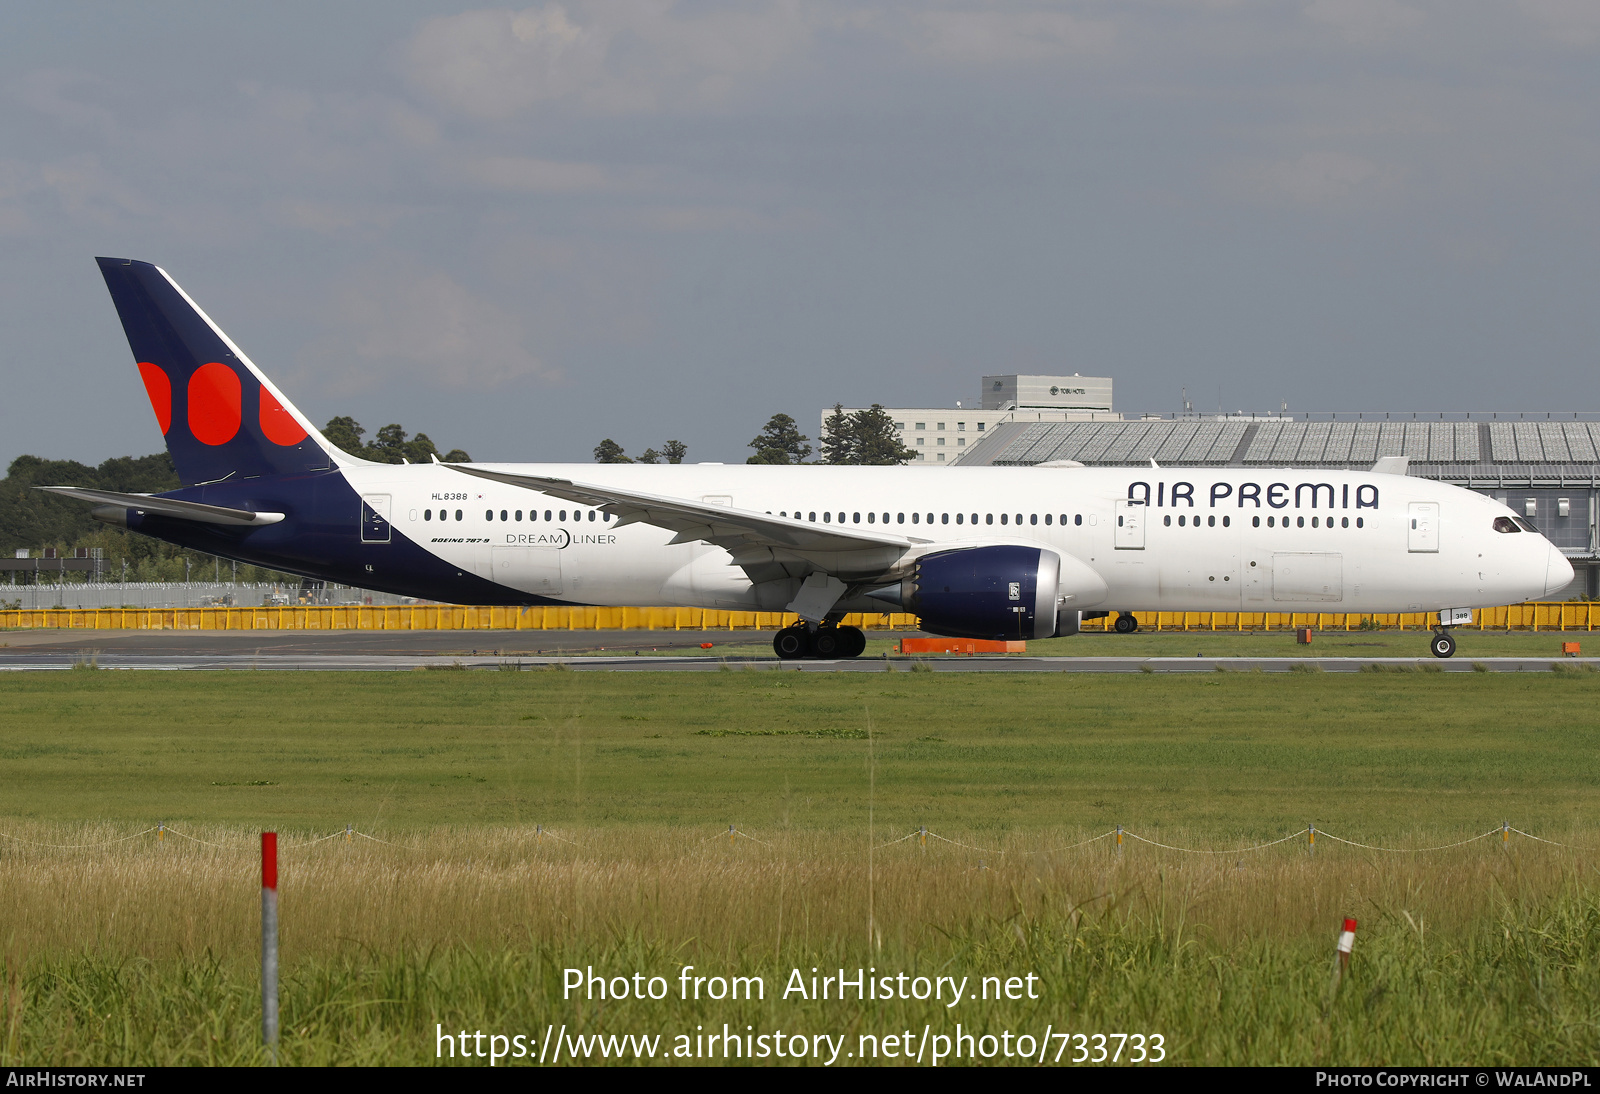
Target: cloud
{"type": "Point", "coordinates": [1573, 22]}
{"type": "Point", "coordinates": [1318, 179]}
{"type": "Point", "coordinates": [611, 56]}
{"type": "Point", "coordinates": [997, 37]}
{"type": "Point", "coordinates": [534, 176]}
{"type": "Point", "coordinates": [1364, 22]}
{"type": "Point", "coordinates": [48, 90]}
{"type": "Point", "coordinates": [77, 188]}
{"type": "Point", "coordinates": [339, 217]}
{"type": "Point", "coordinates": [713, 218]}
{"type": "Point", "coordinates": [410, 324]}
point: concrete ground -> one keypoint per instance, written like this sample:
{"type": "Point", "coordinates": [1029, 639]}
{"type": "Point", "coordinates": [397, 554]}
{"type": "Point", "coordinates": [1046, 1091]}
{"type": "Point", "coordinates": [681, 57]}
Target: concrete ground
{"type": "Point", "coordinates": [649, 651]}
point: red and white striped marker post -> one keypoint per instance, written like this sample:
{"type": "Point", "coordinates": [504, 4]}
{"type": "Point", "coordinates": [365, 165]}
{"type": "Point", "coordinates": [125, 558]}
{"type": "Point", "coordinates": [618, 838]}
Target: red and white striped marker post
{"type": "Point", "coordinates": [269, 943]}
{"type": "Point", "coordinates": [1347, 942]}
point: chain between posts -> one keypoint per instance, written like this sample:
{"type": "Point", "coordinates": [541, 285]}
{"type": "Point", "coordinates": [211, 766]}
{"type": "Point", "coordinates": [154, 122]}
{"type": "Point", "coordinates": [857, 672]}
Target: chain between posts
{"type": "Point", "coordinates": [921, 834]}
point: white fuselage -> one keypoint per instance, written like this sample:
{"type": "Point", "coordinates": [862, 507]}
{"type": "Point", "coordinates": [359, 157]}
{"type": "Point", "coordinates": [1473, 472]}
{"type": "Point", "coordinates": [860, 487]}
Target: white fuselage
{"type": "Point", "coordinates": [1196, 539]}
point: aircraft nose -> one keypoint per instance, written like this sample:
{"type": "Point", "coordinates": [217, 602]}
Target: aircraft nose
{"type": "Point", "coordinates": [1558, 572]}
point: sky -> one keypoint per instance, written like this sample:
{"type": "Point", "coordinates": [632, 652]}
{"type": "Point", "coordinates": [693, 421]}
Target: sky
{"type": "Point", "coordinates": [522, 230]}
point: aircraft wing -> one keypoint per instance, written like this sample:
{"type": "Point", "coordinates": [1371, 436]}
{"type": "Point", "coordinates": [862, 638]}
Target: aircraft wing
{"type": "Point", "coordinates": [167, 507]}
{"type": "Point", "coordinates": [757, 541]}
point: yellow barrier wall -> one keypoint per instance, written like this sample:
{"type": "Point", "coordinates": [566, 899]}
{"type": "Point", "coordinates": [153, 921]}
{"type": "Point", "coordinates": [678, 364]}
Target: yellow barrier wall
{"type": "Point", "coordinates": [1571, 615]}
{"type": "Point", "coordinates": [420, 618]}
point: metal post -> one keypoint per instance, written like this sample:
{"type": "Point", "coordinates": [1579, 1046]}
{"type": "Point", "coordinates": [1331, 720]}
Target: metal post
{"type": "Point", "coordinates": [269, 944]}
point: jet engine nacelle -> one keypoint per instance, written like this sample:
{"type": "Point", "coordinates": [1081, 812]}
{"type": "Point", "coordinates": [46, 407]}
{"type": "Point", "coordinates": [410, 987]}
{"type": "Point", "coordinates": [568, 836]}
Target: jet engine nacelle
{"type": "Point", "coordinates": [1002, 591]}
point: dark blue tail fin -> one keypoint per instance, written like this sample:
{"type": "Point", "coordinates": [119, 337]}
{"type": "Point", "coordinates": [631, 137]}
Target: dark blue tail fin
{"type": "Point", "coordinates": [221, 417]}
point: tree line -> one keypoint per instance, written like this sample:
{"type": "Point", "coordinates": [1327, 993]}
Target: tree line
{"type": "Point", "coordinates": [388, 445]}
{"type": "Point", "coordinates": [35, 520]}
{"type": "Point", "coordinates": [859, 437]}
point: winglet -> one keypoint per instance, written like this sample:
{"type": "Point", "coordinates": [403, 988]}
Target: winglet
{"type": "Point", "coordinates": [1392, 465]}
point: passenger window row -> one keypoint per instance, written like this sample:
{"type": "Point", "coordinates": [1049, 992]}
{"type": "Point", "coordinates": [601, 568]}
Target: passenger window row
{"type": "Point", "coordinates": [516, 514]}
{"type": "Point", "coordinates": [918, 518]}
{"type": "Point", "coordinates": [928, 518]}
{"type": "Point", "coordinates": [1300, 522]}
{"type": "Point", "coordinates": [1255, 522]}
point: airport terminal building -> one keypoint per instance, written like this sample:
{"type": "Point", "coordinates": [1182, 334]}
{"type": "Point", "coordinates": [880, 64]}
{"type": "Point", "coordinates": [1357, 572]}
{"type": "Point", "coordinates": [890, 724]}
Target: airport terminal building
{"type": "Point", "coordinates": [1545, 466]}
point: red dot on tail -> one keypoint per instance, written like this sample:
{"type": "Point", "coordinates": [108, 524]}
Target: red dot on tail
{"type": "Point", "coordinates": [277, 424]}
{"type": "Point", "coordinates": [159, 388]}
{"type": "Point", "coordinates": [214, 397]}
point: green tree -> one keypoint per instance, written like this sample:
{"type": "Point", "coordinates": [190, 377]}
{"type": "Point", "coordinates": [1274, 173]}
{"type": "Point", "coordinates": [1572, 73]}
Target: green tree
{"type": "Point", "coordinates": [838, 437]}
{"type": "Point", "coordinates": [863, 437]}
{"type": "Point", "coordinates": [781, 442]}
{"type": "Point", "coordinates": [420, 449]}
{"type": "Point", "coordinates": [390, 445]}
{"type": "Point", "coordinates": [346, 433]}
{"type": "Point", "coordinates": [875, 440]}
{"type": "Point", "coordinates": [671, 452]}
{"type": "Point", "coordinates": [36, 520]}
{"type": "Point", "coordinates": [609, 451]}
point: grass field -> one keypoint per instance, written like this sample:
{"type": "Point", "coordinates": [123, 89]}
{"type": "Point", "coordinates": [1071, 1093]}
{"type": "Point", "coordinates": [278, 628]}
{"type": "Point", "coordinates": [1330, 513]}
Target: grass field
{"type": "Point", "coordinates": [143, 951]}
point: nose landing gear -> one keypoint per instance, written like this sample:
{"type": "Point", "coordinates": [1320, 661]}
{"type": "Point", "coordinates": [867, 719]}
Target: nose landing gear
{"type": "Point", "coordinates": [1443, 645]}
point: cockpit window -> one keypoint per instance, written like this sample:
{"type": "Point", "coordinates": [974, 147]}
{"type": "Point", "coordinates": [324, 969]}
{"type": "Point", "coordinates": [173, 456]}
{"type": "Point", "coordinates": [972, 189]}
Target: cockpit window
{"type": "Point", "coordinates": [1525, 526]}
{"type": "Point", "coordinates": [1505, 524]}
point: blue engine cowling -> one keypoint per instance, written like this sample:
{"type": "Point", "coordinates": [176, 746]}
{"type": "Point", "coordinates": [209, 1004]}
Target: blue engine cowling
{"type": "Point", "coordinates": [999, 592]}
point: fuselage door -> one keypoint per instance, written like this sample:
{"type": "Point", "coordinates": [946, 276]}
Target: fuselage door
{"type": "Point", "coordinates": [1130, 526]}
{"type": "Point", "coordinates": [1422, 531]}
{"type": "Point", "coordinates": [375, 518]}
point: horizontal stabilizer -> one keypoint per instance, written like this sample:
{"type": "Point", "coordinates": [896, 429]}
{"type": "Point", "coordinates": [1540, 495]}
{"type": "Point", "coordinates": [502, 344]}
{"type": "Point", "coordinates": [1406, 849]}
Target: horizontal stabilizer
{"type": "Point", "coordinates": [166, 507]}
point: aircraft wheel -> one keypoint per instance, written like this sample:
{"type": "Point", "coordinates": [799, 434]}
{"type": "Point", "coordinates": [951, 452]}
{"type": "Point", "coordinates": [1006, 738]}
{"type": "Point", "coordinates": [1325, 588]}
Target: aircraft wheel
{"type": "Point", "coordinates": [791, 643]}
{"type": "Point", "coordinates": [827, 643]}
{"type": "Point", "coordinates": [852, 642]}
{"type": "Point", "coordinates": [1126, 623]}
{"type": "Point", "coordinates": [1442, 645]}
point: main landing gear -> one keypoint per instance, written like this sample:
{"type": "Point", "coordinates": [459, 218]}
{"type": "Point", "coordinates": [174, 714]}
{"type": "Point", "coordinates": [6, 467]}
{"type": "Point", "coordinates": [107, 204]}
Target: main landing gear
{"type": "Point", "coordinates": [1443, 645]}
{"type": "Point", "coordinates": [1126, 623]}
{"type": "Point", "coordinates": [824, 641]}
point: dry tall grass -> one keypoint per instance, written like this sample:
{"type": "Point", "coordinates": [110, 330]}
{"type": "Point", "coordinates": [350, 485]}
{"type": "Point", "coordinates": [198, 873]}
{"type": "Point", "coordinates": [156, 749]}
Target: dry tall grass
{"type": "Point", "coordinates": [473, 926]}
{"type": "Point", "coordinates": [505, 885]}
